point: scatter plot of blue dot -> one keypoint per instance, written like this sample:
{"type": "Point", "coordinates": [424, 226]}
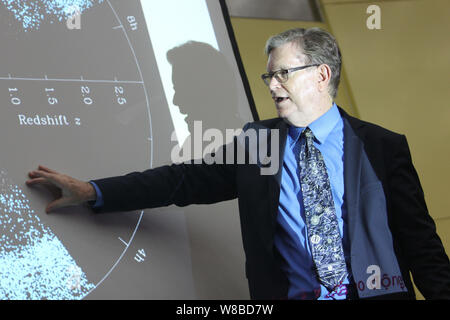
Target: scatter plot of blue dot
{"type": "Point", "coordinates": [31, 14]}
{"type": "Point", "coordinates": [34, 264]}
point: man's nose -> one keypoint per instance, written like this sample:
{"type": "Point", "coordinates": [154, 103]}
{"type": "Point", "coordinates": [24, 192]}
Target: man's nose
{"type": "Point", "coordinates": [274, 84]}
{"type": "Point", "coordinates": [175, 99]}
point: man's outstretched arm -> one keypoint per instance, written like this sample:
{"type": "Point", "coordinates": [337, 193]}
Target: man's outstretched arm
{"type": "Point", "coordinates": [179, 184]}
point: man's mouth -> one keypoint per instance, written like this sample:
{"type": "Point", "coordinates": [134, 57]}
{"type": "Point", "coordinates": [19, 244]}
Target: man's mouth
{"type": "Point", "coordinates": [280, 99]}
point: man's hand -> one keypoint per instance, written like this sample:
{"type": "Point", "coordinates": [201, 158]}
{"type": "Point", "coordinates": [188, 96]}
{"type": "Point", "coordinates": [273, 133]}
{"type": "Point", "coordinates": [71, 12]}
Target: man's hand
{"type": "Point", "coordinates": [67, 190]}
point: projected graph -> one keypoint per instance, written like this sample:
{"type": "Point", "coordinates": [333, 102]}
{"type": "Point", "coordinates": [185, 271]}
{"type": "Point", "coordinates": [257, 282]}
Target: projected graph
{"type": "Point", "coordinates": [87, 89]}
{"type": "Point", "coordinates": [70, 94]}
{"type": "Point", "coordinates": [32, 13]}
{"type": "Point", "coordinates": [34, 264]}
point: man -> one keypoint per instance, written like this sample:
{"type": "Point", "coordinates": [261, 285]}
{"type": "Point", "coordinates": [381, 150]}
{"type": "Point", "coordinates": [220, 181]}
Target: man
{"type": "Point", "coordinates": [344, 216]}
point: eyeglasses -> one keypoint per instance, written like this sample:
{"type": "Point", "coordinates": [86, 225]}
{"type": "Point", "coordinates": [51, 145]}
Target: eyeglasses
{"type": "Point", "coordinates": [283, 75]}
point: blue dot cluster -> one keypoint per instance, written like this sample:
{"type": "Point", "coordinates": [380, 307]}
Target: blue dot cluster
{"type": "Point", "coordinates": [34, 264]}
{"type": "Point", "coordinates": [32, 13]}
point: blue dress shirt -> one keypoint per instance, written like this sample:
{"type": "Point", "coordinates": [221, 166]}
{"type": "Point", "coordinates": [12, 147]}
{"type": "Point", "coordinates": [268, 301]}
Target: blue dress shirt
{"type": "Point", "coordinates": [99, 201]}
{"type": "Point", "coordinates": [291, 238]}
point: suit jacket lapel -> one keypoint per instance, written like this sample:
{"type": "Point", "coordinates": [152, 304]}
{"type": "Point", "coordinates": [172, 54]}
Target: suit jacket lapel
{"type": "Point", "coordinates": [274, 181]}
{"type": "Point", "coordinates": [353, 149]}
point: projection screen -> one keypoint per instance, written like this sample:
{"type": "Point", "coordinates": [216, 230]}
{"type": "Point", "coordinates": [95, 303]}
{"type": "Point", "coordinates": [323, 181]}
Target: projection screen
{"type": "Point", "coordinates": [102, 88]}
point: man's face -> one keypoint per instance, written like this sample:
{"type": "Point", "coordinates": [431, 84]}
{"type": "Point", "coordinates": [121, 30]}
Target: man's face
{"type": "Point", "coordinates": [298, 92]}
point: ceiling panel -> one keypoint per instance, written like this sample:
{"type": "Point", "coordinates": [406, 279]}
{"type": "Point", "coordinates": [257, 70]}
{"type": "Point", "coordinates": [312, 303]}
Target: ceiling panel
{"type": "Point", "coordinates": [303, 10]}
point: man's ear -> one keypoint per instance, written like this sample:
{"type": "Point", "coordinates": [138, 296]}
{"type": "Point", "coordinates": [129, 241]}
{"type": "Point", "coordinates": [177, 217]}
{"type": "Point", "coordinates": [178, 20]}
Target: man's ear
{"type": "Point", "coordinates": [323, 76]}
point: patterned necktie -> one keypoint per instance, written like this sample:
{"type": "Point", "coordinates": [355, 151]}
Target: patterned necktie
{"type": "Point", "coordinates": [321, 221]}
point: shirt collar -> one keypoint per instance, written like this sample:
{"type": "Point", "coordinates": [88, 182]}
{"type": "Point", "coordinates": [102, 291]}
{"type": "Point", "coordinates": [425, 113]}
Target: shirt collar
{"type": "Point", "coordinates": [320, 127]}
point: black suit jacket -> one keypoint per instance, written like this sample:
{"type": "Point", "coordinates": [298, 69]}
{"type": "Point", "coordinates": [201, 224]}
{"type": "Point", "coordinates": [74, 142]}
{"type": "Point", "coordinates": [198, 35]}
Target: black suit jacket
{"type": "Point", "coordinates": [387, 216]}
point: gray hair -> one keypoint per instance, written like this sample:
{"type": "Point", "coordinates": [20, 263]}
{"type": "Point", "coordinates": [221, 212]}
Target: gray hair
{"type": "Point", "coordinates": [317, 45]}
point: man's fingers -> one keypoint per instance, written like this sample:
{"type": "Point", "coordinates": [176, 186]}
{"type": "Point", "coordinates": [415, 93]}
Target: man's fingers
{"type": "Point", "coordinates": [39, 173]}
{"type": "Point", "coordinates": [50, 177]}
{"type": "Point", "coordinates": [43, 172]}
{"type": "Point", "coordinates": [35, 181]}
{"type": "Point", "coordinates": [44, 168]}
{"type": "Point", "coordinates": [39, 177]}
{"type": "Point", "coordinates": [32, 174]}
{"type": "Point", "coordinates": [56, 192]}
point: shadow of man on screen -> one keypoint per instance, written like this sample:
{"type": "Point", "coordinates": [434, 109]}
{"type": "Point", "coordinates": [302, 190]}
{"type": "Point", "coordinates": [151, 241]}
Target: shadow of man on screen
{"type": "Point", "coordinates": [205, 87]}
{"type": "Point", "coordinates": [206, 90]}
